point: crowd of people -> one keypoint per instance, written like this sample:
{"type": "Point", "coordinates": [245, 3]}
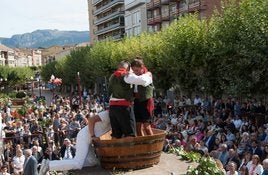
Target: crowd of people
{"type": "Point", "coordinates": [53, 132]}
{"type": "Point", "coordinates": [45, 130]}
{"type": "Point", "coordinates": [233, 131]}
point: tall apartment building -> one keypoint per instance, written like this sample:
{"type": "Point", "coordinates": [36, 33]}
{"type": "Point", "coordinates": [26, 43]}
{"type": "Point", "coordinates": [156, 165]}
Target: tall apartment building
{"type": "Point", "coordinates": [135, 17]}
{"type": "Point", "coordinates": [118, 18]}
{"type": "Point", "coordinates": [162, 12]}
{"type": "Point", "coordinates": [106, 19]}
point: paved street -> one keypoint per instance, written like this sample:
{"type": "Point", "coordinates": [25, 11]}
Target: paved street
{"type": "Point", "coordinates": [169, 165]}
{"type": "Point", "coordinates": [45, 92]}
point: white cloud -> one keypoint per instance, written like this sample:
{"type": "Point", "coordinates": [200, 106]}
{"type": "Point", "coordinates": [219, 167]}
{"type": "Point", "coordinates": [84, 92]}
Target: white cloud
{"type": "Point", "coordinates": [21, 16]}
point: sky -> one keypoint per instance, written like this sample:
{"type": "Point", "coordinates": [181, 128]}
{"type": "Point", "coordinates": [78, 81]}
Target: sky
{"type": "Point", "coordinates": [26, 16]}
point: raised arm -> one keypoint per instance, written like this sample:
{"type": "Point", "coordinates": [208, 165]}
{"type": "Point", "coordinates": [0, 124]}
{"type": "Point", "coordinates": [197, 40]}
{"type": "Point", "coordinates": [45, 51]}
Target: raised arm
{"type": "Point", "coordinates": [144, 79]}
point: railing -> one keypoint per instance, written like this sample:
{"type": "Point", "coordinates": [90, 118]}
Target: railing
{"type": "Point", "coordinates": [194, 6]}
{"type": "Point", "coordinates": [157, 19]}
{"type": "Point", "coordinates": [150, 21]}
{"type": "Point", "coordinates": [150, 5]}
{"type": "Point", "coordinates": [165, 17]}
{"type": "Point", "coordinates": [165, 2]}
{"type": "Point", "coordinates": [109, 5]}
{"type": "Point", "coordinates": [106, 29]}
{"type": "Point", "coordinates": [114, 14]}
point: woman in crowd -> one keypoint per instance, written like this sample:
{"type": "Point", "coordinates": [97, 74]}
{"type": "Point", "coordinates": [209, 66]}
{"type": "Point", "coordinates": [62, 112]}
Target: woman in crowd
{"type": "Point", "coordinates": [256, 167]}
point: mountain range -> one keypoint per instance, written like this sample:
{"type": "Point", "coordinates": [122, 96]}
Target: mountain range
{"type": "Point", "coordinates": [46, 38]}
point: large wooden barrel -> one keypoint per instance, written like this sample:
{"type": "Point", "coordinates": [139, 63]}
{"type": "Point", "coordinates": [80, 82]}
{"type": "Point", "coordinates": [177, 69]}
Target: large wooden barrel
{"type": "Point", "coordinates": [130, 153]}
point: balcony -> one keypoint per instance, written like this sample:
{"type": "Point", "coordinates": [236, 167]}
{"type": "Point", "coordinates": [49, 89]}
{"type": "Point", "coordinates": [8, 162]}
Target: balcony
{"type": "Point", "coordinates": [194, 6]}
{"type": "Point", "coordinates": [150, 21]}
{"type": "Point", "coordinates": [95, 2]}
{"type": "Point", "coordinates": [109, 17]}
{"type": "Point", "coordinates": [174, 12]}
{"type": "Point", "coordinates": [183, 9]}
{"type": "Point", "coordinates": [156, 3]}
{"type": "Point", "coordinates": [107, 6]}
{"type": "Point", "coordinates": [109, 29]}
{"type": "Point", "coordinates": [164, 2]}
{"type": "Point", "coordinates": [157, 19]}
{"type": "Point", "coordinates": [165, 17]}
{"type": "Point", "coordinates": [150, 5]}
{"type": "Point", "coordinates": [118, 37]}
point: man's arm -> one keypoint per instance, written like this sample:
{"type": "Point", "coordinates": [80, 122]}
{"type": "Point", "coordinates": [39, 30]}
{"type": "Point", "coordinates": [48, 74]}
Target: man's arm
{"type": "Point", "coordinates": [144, 79]}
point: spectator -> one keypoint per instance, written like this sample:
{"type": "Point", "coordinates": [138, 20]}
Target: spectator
{"type": "Point", "coordinates": [232, 168]}
{"type": "Point", "coordinates": [265, 167]}
{"type": "Point", "coordinates": [67, 150]}
{"type": "Point", "coordinates": [17, 162]}
{"type": "Point", "coordinates": [256, 167]}
{"type": "Point", "coordinates": [4, 170]}
{"type": "Point", "coordinates": [244, 170]}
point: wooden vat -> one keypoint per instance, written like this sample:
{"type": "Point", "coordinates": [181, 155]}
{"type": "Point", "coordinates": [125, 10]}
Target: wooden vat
{"type": "Point", "coordinates": [130, 153]}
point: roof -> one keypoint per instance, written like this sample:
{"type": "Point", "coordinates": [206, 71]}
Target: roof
{"type": "Point", "coordinates": [5, 48]}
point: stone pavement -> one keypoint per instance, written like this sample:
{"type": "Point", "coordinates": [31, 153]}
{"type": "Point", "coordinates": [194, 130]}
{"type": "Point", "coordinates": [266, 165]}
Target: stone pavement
{"type": "Point", "coordinates": [169, 165]}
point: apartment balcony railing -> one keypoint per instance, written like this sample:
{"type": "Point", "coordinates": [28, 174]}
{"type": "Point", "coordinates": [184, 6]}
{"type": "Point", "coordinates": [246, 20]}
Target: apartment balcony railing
{"type": "Point", "coordinates": [174, 12]}
{"type": "Point", "coordinates": [183, 9]}
{"type": "Point", "coordinates": [109, 29]}
{"type": "Point", "coordinates": [95, 2]}
{"type": "Point", "coordinates": [109, 17]}
{"type": "Point", "coordinates": [118, 37]}
{"type": "Point", "coordinates": [157, 3]}
{"type": "Point", "coordinates": [165, 17]}
{"type": "Point", "coordinates": [150, 21]}
{"type": "Point", "coordinates": [150, 5]}
{"type": "Point", "coordinates": [194, 6]}
{"type": "Point", "coordinates": [164, 2]}
{"type": "Point", "coordinates": [157, 19]}
{"type": "Point", "coordinates": [109, 5]}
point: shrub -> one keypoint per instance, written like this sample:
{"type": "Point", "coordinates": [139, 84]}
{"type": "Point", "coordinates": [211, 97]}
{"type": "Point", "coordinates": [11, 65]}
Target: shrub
{"type": "Point", "coordinates": [21, 94]}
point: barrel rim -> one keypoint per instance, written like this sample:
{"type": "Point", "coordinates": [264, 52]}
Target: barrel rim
{"type": "Point", "coordinates": [158, 134]}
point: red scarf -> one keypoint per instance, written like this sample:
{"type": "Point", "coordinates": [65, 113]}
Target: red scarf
{"type": "Point", "coordinates": [119, 72]}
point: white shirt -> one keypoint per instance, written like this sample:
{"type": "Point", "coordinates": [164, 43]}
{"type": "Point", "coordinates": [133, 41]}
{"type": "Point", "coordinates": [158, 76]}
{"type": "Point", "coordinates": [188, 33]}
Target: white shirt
{"type": "Point", "coordinates": [18, 162]}
{"type": "Point", "coordinates": [143, 80]}
{"type": "Point", "coordinates": [68, 153]}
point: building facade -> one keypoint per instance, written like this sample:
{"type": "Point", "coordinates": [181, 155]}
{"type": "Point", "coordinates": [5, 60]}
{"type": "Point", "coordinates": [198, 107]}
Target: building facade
{"type": "Point", "coordinates": [115, 19]}
{"type": "Point", "coordinates": [135, 17]}
{"type": "Point", "coordinates": [162, 12]}
{"type": "Point", "coordinates": [7, 56]}
{"type": "Point", "coordinates": [106, 19]}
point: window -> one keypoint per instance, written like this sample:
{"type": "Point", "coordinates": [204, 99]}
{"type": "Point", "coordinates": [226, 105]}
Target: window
{"type": "Point", "coordinates": [129, 32]}
{"type": "Point", "coordinates": [128, 21]}
{"type": "Point", "coordinates": [136, 30]}
{"type": "Point", "coordinates": [136, 18]}
{"type": "Point", "coordinates": [165, 10]}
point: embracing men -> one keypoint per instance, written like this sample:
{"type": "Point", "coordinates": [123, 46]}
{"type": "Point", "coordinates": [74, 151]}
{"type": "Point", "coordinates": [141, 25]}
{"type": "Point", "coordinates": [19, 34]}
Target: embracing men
{"type": "Point", "coordinates": [122, 85]}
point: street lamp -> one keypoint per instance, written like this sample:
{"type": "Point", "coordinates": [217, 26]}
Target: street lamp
{"type": "Point", "coordinates": [79, 88]}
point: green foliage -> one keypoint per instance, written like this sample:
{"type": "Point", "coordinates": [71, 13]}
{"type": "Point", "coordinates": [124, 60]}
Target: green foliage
{"type": "Point", "coordinates": [21, 94]}
{"type": "Point", "coordinates": [45, 123]}
{"type": "Point", "coordinates": [226, 54]}
{"type": "Point", "coordinates": [206, 165]}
